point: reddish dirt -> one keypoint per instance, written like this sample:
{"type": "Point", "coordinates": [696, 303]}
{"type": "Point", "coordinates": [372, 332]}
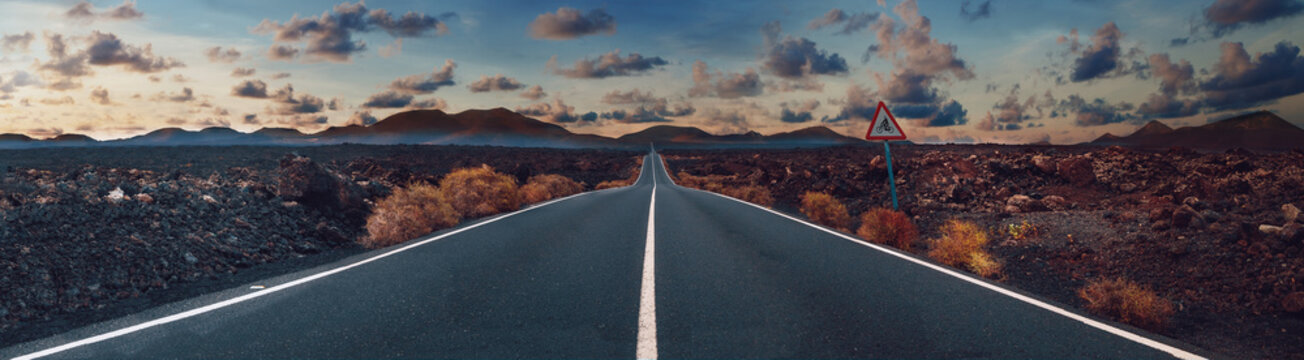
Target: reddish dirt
{"type": "Point", "coordinates": [1187, 224]}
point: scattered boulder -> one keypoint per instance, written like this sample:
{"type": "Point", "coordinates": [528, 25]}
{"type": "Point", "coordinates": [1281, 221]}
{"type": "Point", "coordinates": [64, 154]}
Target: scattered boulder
{"type": "Point", "coordinates": [1187, 216]}
{"type": "Point", "coordinates": [1268, 229]}
{"type": "Point", "coordinates": [1077, 171]}
{"type": "Point", "coordinates": [1023, 203]}
{"type": "Point", "coordinates": [303, 181]}
{"type": "Point", "coordinates": [1290, 212]}
{"type": "Point", "coordinates": [1293, 302]}
{"type": "Point", "coordinates": [1044, 163]}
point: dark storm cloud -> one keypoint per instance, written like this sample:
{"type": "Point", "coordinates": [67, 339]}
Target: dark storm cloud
{"type": "Point", "coordinates": [1101, 57]}
{"type": "Point", "coordinates": [496, 83]}
{"type": "Point", "coordinates": [981, 11]}
{"type": "Point", "coordinates": [85, 12]}
{"type": "Point", "coordinates": [251, 119]}
{"type": "Point", "coordinates": [1239, 81]}
{"type": "Point", "coordinates": [850, 23]}
{"type": "Point", "coordinates": [282, 53]}
{"type": "Point", "coordinates": [792, 57]}
{"type": "Point", "coordinates": [1166, 105]}
{"type": "Point", "coordinates": [724, 85]}
{"type": "Point", "coordinates": [106, 49]}
{"type": "Point", "coordinates": [608, 65]}
{"type": "Point", "coordinates": [251, 89]}
{"type": "Point", "coordinates": [17, 42]}
{"type": "Point", "coordinates": [387, 99]}
{"type": "Point", "coordinates": [1225, 16]}
{"type": "Point", "coordinates": [534, 93]}
{"type": "Point", "coordinates": [329, 36]}
{"type": "Point", "coordinates": [950, 114]}
{"type": "Point", "coordinates": [242, 72]}
{"type": "Point", "coordinates": [426, 83]}
{"type": "Point", "coordinates": [789, 116]}
{"type": "Point", "coordinates": [568, 23]}
{"type": "Point", "coordinates": [218, 55]}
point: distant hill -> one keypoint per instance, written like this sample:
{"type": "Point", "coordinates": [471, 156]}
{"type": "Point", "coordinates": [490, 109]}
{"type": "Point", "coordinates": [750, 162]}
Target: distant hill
{"type": "Point", "coordinates": [500, 127]}
{"type": "Point", "coordinates": [1257, 130]}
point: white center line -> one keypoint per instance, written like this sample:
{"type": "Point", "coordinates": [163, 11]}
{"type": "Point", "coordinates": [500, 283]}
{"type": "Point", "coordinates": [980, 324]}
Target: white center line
{"type": "Point", "coordinates": [647, 305]}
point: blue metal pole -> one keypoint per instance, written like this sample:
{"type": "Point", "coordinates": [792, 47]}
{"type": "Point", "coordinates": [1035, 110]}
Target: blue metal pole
{"type": "Point", "coordinates": [891, 179]}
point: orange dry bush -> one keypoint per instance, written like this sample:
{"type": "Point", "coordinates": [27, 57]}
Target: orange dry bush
{"type": "Point", "coordinates": [1127, 302]}
{"type": "Point", "coordinates": [633, 178]}
{"type": "Point", "coordinates": [883, 226]}
{"type": "Point", "coordinates": [758, 195]}
{"type": "Point", "coordinates": [961, 245]}
{"type": "Point", "coordinates": [547, 187]}
{"type": "Point", "coordinates": [826, 210]}
{"type": "Point", "coordinates": [476, 192]}
{"type": "Point", "coordinates": [410, 212]}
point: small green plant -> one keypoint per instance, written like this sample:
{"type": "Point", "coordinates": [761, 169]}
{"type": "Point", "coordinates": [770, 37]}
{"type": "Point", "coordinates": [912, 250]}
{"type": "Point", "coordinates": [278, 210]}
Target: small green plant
{"type": "Point", "coordinates": [1021, 231]}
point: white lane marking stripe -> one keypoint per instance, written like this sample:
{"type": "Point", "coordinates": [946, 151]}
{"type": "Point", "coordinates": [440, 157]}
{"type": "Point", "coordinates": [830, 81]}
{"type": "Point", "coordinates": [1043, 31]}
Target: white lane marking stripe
{"type": "Point", "coordinates": [267, 291]}
{"type": "Point", "coordinates": [1179, 353]}
{"type": "Point", "coordinates": [647, 303]}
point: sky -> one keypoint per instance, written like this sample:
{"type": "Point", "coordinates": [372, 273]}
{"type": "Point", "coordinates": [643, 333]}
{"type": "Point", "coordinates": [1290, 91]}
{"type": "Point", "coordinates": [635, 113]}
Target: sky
{"type": "Point", "coordinates": [950, 71]}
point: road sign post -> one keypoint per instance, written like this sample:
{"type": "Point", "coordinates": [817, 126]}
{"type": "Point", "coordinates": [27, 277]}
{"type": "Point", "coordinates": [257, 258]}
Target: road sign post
{"type": "Point", "coordinates": [884, 127]}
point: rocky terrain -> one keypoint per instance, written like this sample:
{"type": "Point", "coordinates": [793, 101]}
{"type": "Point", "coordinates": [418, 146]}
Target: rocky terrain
{"type": "Point", "coordinates": [92, 234]}
{"type": "Point", "coordinates": [1217, 233]}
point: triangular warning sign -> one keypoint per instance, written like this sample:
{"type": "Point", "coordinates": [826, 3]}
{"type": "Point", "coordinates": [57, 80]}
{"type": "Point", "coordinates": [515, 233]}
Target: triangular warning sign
{"type": "Point", "coordinates": [884, 126]}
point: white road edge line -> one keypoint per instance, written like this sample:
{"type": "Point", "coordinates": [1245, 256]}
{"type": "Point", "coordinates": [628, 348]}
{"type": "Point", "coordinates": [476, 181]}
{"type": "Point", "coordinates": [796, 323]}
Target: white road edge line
{"type": "Point", "coordinates": [267, 291]}
{"type": "Point", "coordinates": [647, 303]}
{"type": "Point", "coordinates": [1176, 352]}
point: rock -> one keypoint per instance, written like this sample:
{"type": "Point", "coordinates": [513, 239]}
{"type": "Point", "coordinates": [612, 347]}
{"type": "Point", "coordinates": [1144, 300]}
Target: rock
{"type": "Point", "coordinates": [1186, 216]}
{"type": "Point", "coordinates": [1160, 214]}
{"type": "Point", "coordinates": [306, 182]}
{"type": "Point", "coordinates": [1055, 201]}
{"type": "Point", "coordinates": [1024, 203]}
{"type": "Point", "coordinates": [1293, 302]}
{"type": "Point", "coordinates": [1044, 163]}
{"type": "Point", "coordinates": [1290, 212]}
{"type": "Point", "coordinates": [1193, 202]}
{"type": "Point", "coordinates": [1267, 229]}
{"type": "Point", "coordinates": [144, 198]}
{"type": "Point", "coordinates": [878, 162]}
{"type": "Point", "coordinates": [116, 196]}
{"type": "Point", "coordinates": [1292, 232]}
{"type": "Point", "coordinates": [1077, 171]}
{"type": "Point", "coordinates": [208, 199]}
{"type": "Point", "coordinates": [1127, 187]}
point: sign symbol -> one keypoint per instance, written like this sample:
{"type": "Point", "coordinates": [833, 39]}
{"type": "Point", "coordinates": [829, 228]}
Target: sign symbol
{"type": "Point", "coordinates": [884, 126]}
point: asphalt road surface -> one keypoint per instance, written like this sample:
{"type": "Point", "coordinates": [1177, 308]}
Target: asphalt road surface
{"type": "Point", "coordinates": [650, 270]}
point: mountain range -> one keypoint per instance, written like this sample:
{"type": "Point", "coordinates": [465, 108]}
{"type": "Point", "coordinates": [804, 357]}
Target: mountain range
{"type": "Point", "coordinates": [497, 127]}
{"type": "Point", "coordinates": [1256, 130]}
{"type": "Point", "coordinates": [502, 127]}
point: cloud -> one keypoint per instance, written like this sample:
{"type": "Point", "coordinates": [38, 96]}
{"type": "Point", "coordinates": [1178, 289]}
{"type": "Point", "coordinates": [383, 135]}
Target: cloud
{"type": "Point", "coordinates": [534, 93]}
{"type": "Point", "coordinates": [1071, 39]}
{"type": "Point", "coordinates": [278, 76]}
{"type": "Point", "coordinates": [1096, 112]}
{"type": "Point", "coordinates": [242, 72]}
{"type": "Point", "coordinates": [251, 119]}
{"type": "Point", "coordinates": [789, 116]}
{"type": "Point", "coordinates": [724, 85]}
{"type": "Point", "coordinates": [100, 96]}
{"type": "Point", "coordinates": [303, 121]}
{"type": "Point", "coordinates": [608, 65]}
{"type": "Point", "coordinates": [496, 83]}
{"type": "Point", "coordinates": [636, 96]}
{"type": "Point", "coordinates": [568, 23]}
{"type": "Point", "coordinates": [728, 122]}
{"type": "Point", "coordinates": [256, 89]}
{"type": "Point", "coordinates": [217, 55]}
{"type": "Point", "coordinates": [1225, 16]}
{"type": "Point", "coordinates": [282, 53]}
{"type": "Point", "coordinates": [361, 118]}
{"type": "Point", "coordinates": [425, 84]}
{"type": "Point", "coordinates": [557, 112]}
{"type": "Point", "coordinates": [16, 80]}
{"type": "Point", "coordinates": [388, 99]}
{"type": "Point", "coordinates": [63, 65]}
{"type": "Point", "coordinates": [391, 50]}
{"type": "Point", "coordinates": [1174, 77]}
{"type": "Point", "coordinates": [793, 57]}
{"type": "Point", "coordinates": [186, 95]}
{"type": "Point", "coordinates": [288, 104]}
{"type": "Point", "coordinates": [1166, 105]}
{"type": "Point", "coordinates": [329, 36]}
{"type": "Point", "coordinates": [850, 23]}
{"type": "Point", "coordinates": [1099, 59]}
{"type": "Point", "coordinates": [804, 84]}
{"type": "Point", "coordinates": [650, 107]}
{"type": "Point", "coordinates": [918, 60]}
{"type": "Point", "coordinates": [428, 104]}
{"type": "Point", "coordinates": [982, 11]}
{"type": "Point", "coordinates": [1239, 81]}
{"type": "Point", "coordinates": [66, 100]}
{"type": "Point", "coordinates": [106, 49]}
{"type": "Point", "coordinates": [85, 12]}
{"type": "Point", "coordinates": [17, 42]}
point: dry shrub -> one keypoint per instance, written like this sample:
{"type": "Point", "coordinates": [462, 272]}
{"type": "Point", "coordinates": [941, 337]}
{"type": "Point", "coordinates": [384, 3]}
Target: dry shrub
{"type": "Point", "coordinates": [633, 178]}
{"type": "Point", "coordinates": [476, 192]}
{"type": "Point", "coordinates": [755, 194]}
{"type": "Point", "coordinates": [826, 210]}
{"type": "Point", "coordinates": [407, 213]}
{"type": "Point", "coordinates": [883, 226]}
{"type": "Point", "coordinates": [961, 245]}
{"type": "Point", "coordinates": [1128, 302]}
{"type": "Point", "coordinates": [546, 187]}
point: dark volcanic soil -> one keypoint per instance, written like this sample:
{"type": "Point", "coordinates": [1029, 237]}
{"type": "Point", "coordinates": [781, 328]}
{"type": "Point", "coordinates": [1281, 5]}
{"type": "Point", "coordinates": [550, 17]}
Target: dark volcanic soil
{"type": "Point", "coordinates": [92, 234]}
{"type": "Point", "coordinates": [1205, 230]}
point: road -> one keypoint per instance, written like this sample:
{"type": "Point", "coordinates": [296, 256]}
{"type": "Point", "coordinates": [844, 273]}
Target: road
{"type": "Point", "coordinates": [649, 270]}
